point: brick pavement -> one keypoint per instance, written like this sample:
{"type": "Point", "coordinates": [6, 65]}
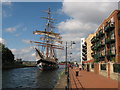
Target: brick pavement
{"type": "Point", "coordinates": [90, 80]}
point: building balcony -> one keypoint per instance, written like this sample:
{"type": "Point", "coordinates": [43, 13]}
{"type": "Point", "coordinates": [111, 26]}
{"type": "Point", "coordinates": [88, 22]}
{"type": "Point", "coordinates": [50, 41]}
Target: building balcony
{"type": "Point", "coordinates": [101, 56]}
{"type": "Point", "coordinates": [84, 54]}
{"type": "Point", "coordinates": [110, 53]}
{"type": "Point", "coordinates": [109, 40]}
{"type": "Point", "coordinates": [84, 58]}
{"type": "Point", "coordinates": [92, 47]}
{"type": "Point", "coordinates": [102, 44]}
{"type": "Point", "coordinates": [97, 35]}
{"type": "Point", "coordinates": [99, 44]}
{"type": "Point", "coordinates": [84, 50]}
{"type": "Point", "coordinates": [95, 48]}
{"type": "Point", "coordinates": [84, 46]}
{"type": "Point", "coordinates": [93, 39]}
{"type": "Point", "coordinates": [92, 54]}
{"type": "Point", "coordinates": [109, 27]}
{"type": "Point", "coordinates": [101, 33]}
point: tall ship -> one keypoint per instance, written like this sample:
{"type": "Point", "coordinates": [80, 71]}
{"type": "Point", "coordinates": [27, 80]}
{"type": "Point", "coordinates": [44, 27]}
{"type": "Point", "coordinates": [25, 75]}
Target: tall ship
{"type": "Point", "coordinates": [46, 56]}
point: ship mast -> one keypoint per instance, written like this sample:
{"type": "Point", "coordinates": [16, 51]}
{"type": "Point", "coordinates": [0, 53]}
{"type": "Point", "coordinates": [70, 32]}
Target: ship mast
{"type": "Point", "coordinates": [49, 37]}
{"type": "Point", "coordinates": [48, 29]}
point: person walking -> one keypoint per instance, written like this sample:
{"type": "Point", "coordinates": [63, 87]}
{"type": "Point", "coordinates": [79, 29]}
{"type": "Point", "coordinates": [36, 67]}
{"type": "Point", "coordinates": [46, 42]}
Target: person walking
{"type": "Point", "coordinates": [80, 67]}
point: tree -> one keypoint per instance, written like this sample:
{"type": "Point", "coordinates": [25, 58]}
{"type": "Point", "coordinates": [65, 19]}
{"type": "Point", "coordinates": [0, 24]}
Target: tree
{"type": "Point", "coordinates": [7, 55]}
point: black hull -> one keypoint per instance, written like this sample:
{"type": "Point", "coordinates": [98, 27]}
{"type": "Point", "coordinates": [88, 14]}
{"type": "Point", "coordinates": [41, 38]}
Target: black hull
{"type": "Point", "coordinates": [47, 65]}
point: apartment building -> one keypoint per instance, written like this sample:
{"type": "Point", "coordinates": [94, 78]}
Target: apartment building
{"type": "Point", "coordinates": [87, 51]}
{"type": "Point", "coordinates": [89, 44]}
{"type": "Point", "coordinates": [106, 42]}
{"type": "Point", "coordinates": [84, 51]}
{"type": "Point", "coordinates": [81, 47]}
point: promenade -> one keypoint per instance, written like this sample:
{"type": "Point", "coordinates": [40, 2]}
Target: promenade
{"type": "Point", "coordinates": [90, 80]}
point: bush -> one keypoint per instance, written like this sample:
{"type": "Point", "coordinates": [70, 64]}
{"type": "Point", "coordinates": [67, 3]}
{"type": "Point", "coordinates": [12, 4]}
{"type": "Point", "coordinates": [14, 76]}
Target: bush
{"type": "Point", "coordinates": [92, 65]}
{"type": "Point", "coordinates": [116, 68]}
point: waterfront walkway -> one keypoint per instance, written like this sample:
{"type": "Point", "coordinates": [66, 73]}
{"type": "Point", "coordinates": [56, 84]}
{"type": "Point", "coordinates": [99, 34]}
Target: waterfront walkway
{"type": "Point", "coordinates": [90, 80]}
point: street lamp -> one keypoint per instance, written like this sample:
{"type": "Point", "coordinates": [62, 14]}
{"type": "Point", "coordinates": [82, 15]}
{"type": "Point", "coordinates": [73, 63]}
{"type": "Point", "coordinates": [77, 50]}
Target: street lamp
{"type": "Point", "coordinates": [66, 59]}
{"type": "Point", "coordinates": [66, 68]}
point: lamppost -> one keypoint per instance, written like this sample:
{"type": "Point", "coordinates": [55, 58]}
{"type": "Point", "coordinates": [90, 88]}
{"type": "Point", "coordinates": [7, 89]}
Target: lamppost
{"type": "Point", "coordinates": [66, 59]}
{"type": "Point", "coordinates": [66, 67]}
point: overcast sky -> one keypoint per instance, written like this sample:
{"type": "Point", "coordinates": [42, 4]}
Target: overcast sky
{"type": "Point", "coordinates": [75, 20]}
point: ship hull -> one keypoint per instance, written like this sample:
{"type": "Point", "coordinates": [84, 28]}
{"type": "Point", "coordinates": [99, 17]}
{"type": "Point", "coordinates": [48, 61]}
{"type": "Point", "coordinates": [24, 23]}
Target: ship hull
{"type": "Point", "coordinates": [47, 65]}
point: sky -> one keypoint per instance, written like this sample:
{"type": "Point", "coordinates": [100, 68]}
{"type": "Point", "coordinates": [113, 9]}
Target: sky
{"type": "Point", "coordinates": [74, 20]}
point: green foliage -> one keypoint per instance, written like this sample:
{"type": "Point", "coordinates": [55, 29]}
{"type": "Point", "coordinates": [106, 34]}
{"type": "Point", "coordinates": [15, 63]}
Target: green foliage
{"type": "Point", "coordinates": [95, 61]}
{"type": "Point", "coordinates": [113, 59]}
{"type": "Point", "coordinates": [116, 68]}
{"type": "Point", "coordinates": [7, 55]}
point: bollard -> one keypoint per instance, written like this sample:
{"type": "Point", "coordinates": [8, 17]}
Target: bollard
{"type": "Point", "coordinates": [77, 73]}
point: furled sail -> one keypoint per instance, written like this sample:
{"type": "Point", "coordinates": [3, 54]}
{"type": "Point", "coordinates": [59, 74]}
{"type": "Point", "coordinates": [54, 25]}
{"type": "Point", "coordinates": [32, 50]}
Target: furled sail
{"type": "Point", "coordinates": [50, 34]}
{"type": "Point", "coordinates": [49, 39]}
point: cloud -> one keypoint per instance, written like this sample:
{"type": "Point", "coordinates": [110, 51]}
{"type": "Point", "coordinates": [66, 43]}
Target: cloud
{"type": "Point", "coordinates": [85, 17]}
{"type": "Point", "coordinates": [15, 28]}
{"type": "Point", "coordinates": [2, 40]}
{"type": "Point", "coordinates": [26, 41]}
{"type": "Point", "coordinates": [93, 12]}
{"type": "Point", "coordinates": [73, 29]}
{"type": "Point", "coordinates": [26, 53]}
{"type": "Point", "coordinates": [12, 29]}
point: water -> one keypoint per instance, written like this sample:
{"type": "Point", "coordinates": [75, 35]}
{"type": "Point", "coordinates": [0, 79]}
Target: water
{"type": "Point", "coordinates": [30, 77]}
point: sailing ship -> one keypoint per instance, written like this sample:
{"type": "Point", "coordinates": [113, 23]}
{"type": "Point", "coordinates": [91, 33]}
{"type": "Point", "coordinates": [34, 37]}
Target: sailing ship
{"type": "Point", "coordinates": [49, 41]}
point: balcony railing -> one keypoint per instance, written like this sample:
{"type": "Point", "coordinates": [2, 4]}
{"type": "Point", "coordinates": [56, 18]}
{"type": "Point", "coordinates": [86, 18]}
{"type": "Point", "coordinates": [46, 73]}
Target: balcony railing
{"type": "Point", "coordinates": [95, 48]}
{"type": "Point", "coordinates": [92, 54]}
{"type": "Point", "coordinates": [102, 56]}
{"type": "Point", "coordinates": [93, 39]}
{"type": "Point", "coordinates": [84, 54]}
{"type": "Point", "coordinates": [109, 40]}
{"type": "Point", "coordinates": [84, 50]}
{"type": "Point", "coordinates": [99, 44]}
{"type": "Point", "coordinates": [97, 35]}
{"type": "Point", "coordinates": [92, 47]}
{"type": "Point", "coordinates": [109, 27]}
{"type": "Point", "coordinates": [84, 58]}
{"type": "Point", "coordinates": [110, 53]}
{"type": "Point", "coordinates": [84, 46]}
{"type": "Point", "coordinates": [101, 33]}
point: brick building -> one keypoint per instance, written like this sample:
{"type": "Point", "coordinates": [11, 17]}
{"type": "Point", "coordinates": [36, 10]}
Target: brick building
{"type": "Point", "coordinates": [106, 43]}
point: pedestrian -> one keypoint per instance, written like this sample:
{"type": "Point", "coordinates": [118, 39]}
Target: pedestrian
{"type": "Point", "coordinates": [80, 67]}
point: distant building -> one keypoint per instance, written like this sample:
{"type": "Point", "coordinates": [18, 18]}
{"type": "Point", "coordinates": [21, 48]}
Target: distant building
{"type": "Point", "coordinates": [19, 60]}
{"type": "Point", "coordinates": [81, 46]}
{"type": "Point", "coordinates": [30, 63]}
